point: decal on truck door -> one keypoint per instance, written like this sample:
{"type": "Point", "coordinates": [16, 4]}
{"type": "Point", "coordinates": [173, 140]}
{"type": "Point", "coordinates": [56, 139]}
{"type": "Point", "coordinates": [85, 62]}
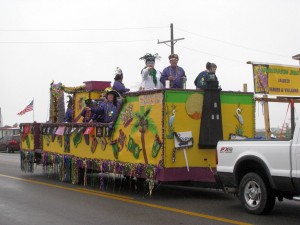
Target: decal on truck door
{"type": "Point", "coordinates": [226, 150]}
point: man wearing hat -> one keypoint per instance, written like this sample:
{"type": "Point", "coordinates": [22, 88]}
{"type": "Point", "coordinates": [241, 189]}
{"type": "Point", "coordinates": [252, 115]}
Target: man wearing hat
{"type": "Point", "coordinates": [150, 76]}
{"type": "Point", "coordinates": [173, 73]}
{"type": "Point", "coordinates": [107, 111]}
{"type": "Point", "coordinates": [118, 84]}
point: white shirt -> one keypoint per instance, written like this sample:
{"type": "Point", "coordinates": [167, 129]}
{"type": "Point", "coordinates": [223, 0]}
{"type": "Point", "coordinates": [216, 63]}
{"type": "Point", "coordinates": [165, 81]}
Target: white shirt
{"type": "Point", "coordinates": [147, 80]}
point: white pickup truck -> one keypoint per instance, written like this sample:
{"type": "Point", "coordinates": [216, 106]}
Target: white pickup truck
{"type": "Point", "coordinates": [258, 171]}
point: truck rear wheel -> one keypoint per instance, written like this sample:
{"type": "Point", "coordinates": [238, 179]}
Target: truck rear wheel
{"type": "Point", "coordinates": [256, 195]}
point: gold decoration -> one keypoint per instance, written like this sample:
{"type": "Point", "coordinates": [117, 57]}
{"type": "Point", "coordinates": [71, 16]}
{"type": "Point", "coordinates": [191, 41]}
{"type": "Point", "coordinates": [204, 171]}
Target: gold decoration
{"type": "Point", "coordinates": [103, 143]}
{"type": "Point", "coordinates": [193, 106]}
{"type": "Point", "coordinates": [94, 144]}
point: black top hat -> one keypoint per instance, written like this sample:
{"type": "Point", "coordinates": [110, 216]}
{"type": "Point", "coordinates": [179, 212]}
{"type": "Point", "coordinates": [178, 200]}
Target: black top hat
{"type": "Point", "coordinates": [115, 93]}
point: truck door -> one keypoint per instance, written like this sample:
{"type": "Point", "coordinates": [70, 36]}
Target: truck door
{"type": "Point", "coordinates": [295, 158]}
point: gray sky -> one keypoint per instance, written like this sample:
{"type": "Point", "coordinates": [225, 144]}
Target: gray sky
{"type": "Point", "coordinates": [72, 41]}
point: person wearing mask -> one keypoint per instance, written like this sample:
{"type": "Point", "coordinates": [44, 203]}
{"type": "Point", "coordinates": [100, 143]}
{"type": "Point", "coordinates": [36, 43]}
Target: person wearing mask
{"type": "Point", "coordinates": [150, 76]}
{"type": "Point", "coordinates": [118, 84]}
{"type": "Point", "coordinates": [173, 73]}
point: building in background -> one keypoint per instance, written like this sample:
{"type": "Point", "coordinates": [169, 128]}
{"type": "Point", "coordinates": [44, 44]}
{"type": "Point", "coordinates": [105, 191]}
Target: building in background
{"type": "Point", "coordinates": [8, 131]}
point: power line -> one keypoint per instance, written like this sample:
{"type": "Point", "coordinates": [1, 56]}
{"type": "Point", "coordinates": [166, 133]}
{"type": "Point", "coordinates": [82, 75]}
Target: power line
{"type": "Point", "coordinates": [233, 44]}
{"type": "Point", "coordinates": [72, 42]}
{"type": "Point", "coordinates": [207, 53]}
{"type": "Point", "coordinates": [80, 29]}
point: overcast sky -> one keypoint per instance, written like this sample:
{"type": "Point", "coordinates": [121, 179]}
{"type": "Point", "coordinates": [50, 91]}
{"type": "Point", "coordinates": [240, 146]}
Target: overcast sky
{"type": "Point", "coordinates": [72, 41]}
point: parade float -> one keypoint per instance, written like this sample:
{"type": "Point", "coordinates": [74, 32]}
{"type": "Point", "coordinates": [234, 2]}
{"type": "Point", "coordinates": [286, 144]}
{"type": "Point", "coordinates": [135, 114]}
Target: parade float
{"type": "Point", "coordinates": [161, 135]}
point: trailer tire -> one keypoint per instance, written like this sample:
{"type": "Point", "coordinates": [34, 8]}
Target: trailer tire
{"type": "Point", "coordinates": [256, 195]}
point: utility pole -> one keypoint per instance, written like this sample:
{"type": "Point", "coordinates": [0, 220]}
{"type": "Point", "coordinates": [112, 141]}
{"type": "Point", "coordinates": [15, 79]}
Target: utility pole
{"type": "Point", "coordinates": [173, 41]}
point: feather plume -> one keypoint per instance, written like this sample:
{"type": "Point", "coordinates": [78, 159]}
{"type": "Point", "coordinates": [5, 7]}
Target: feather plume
{"type": "Point", "coordinates": [148, 56]}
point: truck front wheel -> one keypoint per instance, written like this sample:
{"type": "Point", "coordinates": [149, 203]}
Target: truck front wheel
{"type": "Point", "coordinates": [256, 195]}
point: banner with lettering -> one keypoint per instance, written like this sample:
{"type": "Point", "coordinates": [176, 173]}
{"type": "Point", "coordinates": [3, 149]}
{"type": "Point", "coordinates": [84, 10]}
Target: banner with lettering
{"type": "Point", "coordinates": [276, 79]}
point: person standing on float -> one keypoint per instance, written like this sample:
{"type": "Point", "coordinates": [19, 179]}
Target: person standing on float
{"type": "Point", "coordinates": [118, 83]}
{"type": "Point", "coordinates": [173, 73]}
{"type": "Point", "coordinates": [150, 76]}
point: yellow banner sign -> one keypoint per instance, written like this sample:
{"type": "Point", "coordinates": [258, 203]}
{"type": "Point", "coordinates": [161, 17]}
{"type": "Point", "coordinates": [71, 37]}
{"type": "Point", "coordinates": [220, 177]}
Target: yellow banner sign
{"type": "Point", "coordinates": [276, 79]}
{"type": "Point", "coordinates": [150, 99]}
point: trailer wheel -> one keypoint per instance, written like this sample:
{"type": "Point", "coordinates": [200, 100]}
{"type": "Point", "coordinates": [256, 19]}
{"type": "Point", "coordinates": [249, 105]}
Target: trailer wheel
{"type": "Point", "coordinates": [256, 195]}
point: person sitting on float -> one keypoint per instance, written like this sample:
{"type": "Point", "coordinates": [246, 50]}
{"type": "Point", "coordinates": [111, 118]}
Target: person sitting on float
{"type": "Point", "coordinates": [107, 111]}
{"type": "Point", "coordinates": [150, 76]}
{"type": "Point", "coordinates": [118, 84]}
{"type": "Point", "coordinates": [88, 111]}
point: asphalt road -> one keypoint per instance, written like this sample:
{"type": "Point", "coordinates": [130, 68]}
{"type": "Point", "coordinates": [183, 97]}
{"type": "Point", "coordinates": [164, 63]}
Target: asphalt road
{"type": "Point", "coordinates": [29, 199]}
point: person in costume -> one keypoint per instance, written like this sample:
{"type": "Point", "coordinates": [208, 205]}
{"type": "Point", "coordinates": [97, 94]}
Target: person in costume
{"type": "Point", "coordinates": [173, 73]}
{"type": "Point", "coordinates": [87, 113]}
{"type": "Point", "coordinates": [107, 111]}
{"type": "Point", "coordinates": [118, 84]}
{"type": "Point", "coordinates": [150, 76]}
{"type": "Point", "coordinates": [69, 112]}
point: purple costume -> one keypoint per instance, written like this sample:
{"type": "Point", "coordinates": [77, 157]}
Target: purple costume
{"type": "Point", "coordinates": [105, 113]}
{"type": "Point", "coordinates": [69, 115]}
{"type": "Point", "coordinates": [120, 87]}
{"type": "Point", "coordinates": [177, 72]}
{"type": "Point", "coordinates": [84, 113]}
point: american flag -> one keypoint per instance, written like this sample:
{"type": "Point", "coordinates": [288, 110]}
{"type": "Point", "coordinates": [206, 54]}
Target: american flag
{"type": "Point", "coordinates": [27, 109]}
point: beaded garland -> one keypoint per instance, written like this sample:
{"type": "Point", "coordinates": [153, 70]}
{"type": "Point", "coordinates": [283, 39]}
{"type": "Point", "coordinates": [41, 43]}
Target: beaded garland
{"type": "Point", "coordinates": [67, 168]}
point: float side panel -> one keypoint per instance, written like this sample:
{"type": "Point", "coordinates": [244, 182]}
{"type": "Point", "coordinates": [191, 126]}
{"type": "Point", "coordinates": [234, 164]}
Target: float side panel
{"type": "Point", "coordinates": [127, 143]}
{"type": "Point", "coordinates": [183, 111]}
